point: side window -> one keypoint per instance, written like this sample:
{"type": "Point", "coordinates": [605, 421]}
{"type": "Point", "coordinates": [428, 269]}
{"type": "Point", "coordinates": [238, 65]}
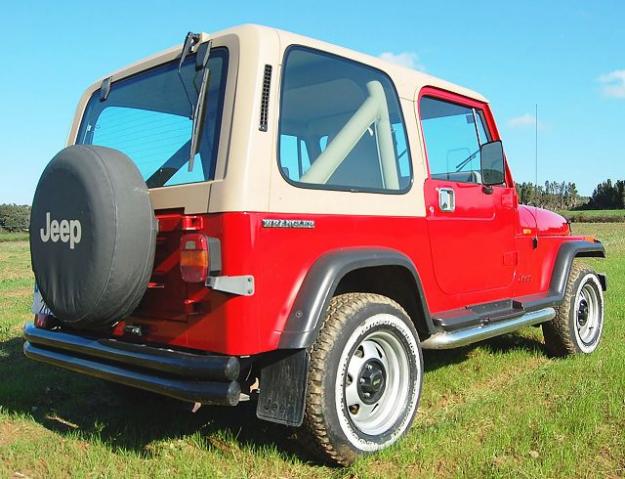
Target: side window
{"type": "Point", "coordinates": [453, 136]}
{"type": "Point", "coordinates": [341, 125]}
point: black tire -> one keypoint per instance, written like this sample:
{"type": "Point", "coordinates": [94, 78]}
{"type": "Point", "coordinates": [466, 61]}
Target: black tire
{"type": "Point", "coordinates": [92, 236]}
{"type": "Point", "coordinates": [578, 324]}
{"type": "Point", "coordinates": [362, 332]}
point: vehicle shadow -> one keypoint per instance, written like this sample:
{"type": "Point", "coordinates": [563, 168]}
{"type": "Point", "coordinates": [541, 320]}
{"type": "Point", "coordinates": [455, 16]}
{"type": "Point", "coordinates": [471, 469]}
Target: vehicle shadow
{"type": "Point", "coordinates": [435, 359]}
{"type": "Point", "coordinates": [124, 418]}
{"type": "Point", "coordinates": [127, 419]}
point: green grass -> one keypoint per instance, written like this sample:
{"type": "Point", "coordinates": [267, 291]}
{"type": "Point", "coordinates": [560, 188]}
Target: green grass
{"type": "Point", "coordinates": [594, 212]}
{"type": "Point", "coordinates": [501, 408]}
{"type": "Point", "coordinates": [5, 236]}
{"type": "Point", "coordinates": [594, 216]}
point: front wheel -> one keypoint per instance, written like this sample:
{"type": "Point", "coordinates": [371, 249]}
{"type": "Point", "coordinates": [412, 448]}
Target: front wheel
{"type": "Point", "coordinates": [578, 324]}
{"type": "Point", "coordinates": [365, 378]}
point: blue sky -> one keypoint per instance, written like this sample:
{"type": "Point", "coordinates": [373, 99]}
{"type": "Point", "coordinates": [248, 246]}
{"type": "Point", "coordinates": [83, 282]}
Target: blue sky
{"type": "Point", "coordinates": [567, 56]}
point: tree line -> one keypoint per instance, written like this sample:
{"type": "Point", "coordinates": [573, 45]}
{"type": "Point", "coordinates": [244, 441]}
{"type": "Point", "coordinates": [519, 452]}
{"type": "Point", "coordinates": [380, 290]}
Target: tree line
{"type": "Point", "coordinates": [607, 195]}
{"type": "Point", "coordinates": [14, 217]}
{"type": "Point", "coordinates": [553, 195]}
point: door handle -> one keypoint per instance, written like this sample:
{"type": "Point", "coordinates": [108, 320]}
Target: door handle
{"type": "Point", "coordinates": [446, 199]}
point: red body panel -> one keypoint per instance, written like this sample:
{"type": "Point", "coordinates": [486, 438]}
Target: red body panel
{"type": "Point", "coordinates": [476, 238]}
{"type": "Point", "coordinates": [473, 247]}
{"type": "Point", "coordinates": [487, 249]}
{"type": "Point", "coordinates": [193, 316]}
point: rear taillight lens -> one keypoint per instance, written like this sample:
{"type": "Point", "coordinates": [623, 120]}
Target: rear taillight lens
{"type": "Point", "coordinates": [194, 258]}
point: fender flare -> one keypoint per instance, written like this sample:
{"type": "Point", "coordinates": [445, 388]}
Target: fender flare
{"type": "Point", "coordinates": [306, 315]}
{"type": "Point", "coordinates": [566, 254]}
{"type": "Point", "coordinates": [568, 251]}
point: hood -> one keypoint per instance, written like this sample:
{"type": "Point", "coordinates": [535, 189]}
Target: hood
{"type": "Point", "coordinates": [546, 222]}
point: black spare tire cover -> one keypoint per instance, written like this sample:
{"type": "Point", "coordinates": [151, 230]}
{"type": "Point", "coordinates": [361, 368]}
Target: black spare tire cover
{"type": "Point", "coordinates": [92, 236]}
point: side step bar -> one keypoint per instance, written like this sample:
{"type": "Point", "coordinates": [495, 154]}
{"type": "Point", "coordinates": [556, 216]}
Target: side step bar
{"type": "Point", "coordinates": [462, 337]}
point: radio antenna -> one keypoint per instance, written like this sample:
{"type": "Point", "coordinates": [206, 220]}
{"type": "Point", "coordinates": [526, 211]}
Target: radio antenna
{"type": "Point", "coordinates": [536, 148]}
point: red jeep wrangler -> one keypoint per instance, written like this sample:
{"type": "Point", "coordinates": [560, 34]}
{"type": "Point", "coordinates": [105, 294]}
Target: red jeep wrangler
{"type": "Point", "coordinates": [259, 214]}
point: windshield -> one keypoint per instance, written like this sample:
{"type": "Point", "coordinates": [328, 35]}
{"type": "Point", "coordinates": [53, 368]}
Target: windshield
{"type": "Point", "coordinates": [148, 117]}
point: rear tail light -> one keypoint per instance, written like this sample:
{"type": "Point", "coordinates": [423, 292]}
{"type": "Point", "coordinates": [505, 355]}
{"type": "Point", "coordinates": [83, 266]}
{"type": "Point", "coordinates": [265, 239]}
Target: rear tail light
{"type": "Point", "coordinates": [194, 258]}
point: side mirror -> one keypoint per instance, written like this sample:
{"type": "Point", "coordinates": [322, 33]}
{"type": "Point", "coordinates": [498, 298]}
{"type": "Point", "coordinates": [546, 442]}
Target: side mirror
{"type": "Point", "coordinates": [492, 163]}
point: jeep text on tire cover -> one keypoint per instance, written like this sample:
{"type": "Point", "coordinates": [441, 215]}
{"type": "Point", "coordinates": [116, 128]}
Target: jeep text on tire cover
{"type": "Point", "coordinates": [257, 214]}
{"type": "Point", "coordinates": [66, 231]}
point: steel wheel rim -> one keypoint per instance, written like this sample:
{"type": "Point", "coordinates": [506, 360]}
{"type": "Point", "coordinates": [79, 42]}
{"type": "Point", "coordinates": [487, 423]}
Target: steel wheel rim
{"type": "Point", "coordinates": [378, 413]}
{"type": "Point", "coordinates": [587, 314]}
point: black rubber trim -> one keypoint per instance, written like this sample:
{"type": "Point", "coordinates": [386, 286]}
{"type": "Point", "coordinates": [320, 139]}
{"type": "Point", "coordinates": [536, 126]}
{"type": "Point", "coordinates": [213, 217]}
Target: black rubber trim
{"type": "Point", "coordinates": [562, 267]}
{"type": "Point", "coordinates": [175, 363]}
{"type": "Point", "coordinates": [479, 314]}
{"type": "Point", "coordinates": [205, 392]}
{"type": "Point", "coordinates": [321, 282]}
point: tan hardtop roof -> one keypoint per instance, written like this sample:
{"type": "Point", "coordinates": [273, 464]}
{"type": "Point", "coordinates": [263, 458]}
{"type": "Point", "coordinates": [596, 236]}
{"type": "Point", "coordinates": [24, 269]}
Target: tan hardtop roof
{"type": "Point", "coordinates": [406, 79]}
{"type": "Point", "coordinates": [399, 73]}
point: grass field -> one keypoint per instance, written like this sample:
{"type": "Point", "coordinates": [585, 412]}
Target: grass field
{"type": "Point", "coordinates": [594, 212]}
{"type": "Point", "coordinates": [594, 216]}
{"type": "Point", "coordinates": [6, 237]}
{"type": "Point", "coordinates": [501, 408]}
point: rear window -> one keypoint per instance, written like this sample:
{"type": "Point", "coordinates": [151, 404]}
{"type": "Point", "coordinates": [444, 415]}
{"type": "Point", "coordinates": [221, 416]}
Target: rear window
{"type": "Point", "coordinates": [148, 117]}
{"type": "Point", "coordinates": [341, 125]}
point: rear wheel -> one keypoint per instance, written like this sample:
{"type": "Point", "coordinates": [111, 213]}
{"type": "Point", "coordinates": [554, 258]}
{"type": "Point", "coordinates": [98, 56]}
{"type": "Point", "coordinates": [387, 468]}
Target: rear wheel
{"type": "Point", "coordinates": [578, 324]}
{"type": "Point", "coordinates": [365, 378]}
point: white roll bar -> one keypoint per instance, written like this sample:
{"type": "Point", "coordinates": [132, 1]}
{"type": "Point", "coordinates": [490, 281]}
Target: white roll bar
{"type": "Point", "coordinates": [373, 110]}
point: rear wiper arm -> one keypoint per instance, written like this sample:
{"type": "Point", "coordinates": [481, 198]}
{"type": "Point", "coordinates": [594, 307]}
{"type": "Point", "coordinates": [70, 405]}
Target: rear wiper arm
{"type": "Point", "coordinates": [190, 40]}
{"type": "Point", "coordinates": [198, 108]}
{"type": "Point", "coordinates": [201, 64]}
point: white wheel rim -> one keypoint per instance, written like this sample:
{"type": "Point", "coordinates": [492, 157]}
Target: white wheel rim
{"type": "Point", "coordinates": [373, 408]}
{"type": "Point", "coordinates": [588, 313]}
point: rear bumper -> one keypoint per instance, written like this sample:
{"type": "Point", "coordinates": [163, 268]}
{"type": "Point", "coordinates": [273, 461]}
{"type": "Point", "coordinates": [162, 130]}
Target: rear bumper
{"type": "Point", "coordinates": [207, 379]}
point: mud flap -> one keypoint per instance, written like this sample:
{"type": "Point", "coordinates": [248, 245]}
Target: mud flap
{"type": "Point", "coordinates": [283, 389]}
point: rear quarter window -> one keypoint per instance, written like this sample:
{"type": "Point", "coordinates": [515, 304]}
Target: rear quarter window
{"type": "Point", "coordinates": [341, 125]}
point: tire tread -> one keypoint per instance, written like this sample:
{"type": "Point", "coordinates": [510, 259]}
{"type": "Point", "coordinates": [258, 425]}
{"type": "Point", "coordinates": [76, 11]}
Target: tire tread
{"type": "Point", "coordinates": [557, 332]}
{"type": "Point", "coordinates": [314, 432]}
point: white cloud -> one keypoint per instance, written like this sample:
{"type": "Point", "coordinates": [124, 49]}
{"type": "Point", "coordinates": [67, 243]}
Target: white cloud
{"type": "Point", "coordinates": [405, 59]}
{"type": "Point", "coordinates": [613, 84]}
{"type": "Point", "coordinates": [522, 121]}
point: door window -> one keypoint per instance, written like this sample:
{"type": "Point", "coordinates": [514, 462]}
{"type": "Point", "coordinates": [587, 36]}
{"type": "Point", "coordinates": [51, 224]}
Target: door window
{"type": "Point", "coordinates": [453, 136]}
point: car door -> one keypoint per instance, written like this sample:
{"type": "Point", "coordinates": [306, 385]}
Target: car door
{"type": "Point", "coordinates": [471, 226]}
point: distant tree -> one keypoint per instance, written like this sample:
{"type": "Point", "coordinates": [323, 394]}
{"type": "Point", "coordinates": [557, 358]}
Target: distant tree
{"type": "Point", "coordinates": [608, 195]}
{"type": "Point", "coordinates": [14, 217]}
{"type": "Point", "coordinates": [554, 195]}
{"type": "Point", "coordinates": [620, 193]}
